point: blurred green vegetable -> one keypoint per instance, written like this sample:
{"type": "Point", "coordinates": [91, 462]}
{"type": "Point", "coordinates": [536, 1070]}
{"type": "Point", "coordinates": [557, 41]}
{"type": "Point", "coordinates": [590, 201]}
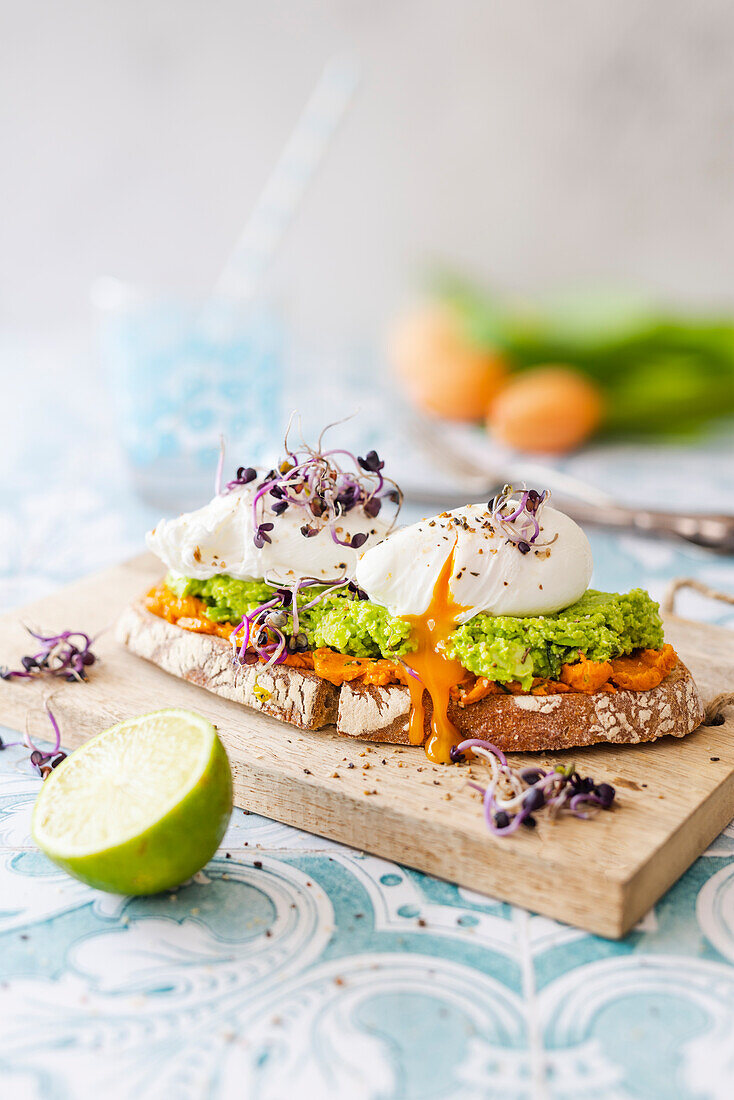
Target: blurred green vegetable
{"type": "Point", "coordinates": [660, 372]}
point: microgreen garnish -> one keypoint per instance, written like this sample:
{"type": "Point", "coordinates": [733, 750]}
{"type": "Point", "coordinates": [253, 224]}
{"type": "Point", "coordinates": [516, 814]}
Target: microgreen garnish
{"type": "Point", "coordinates": [272, 630]}
{"type": "Point", "coordinates": [314, 481]}
{"type": "Point", "coordinates": [67, 656]}
{"type": "Point", "coordinates": [43, 762]}
{"type": "Point", "coordinates": [514, 796]}
{"type": "Point", "coordinates": [519, 521]}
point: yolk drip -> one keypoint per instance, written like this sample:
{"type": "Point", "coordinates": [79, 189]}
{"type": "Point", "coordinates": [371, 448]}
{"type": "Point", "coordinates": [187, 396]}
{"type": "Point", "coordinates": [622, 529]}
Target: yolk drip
{"type": "Point", "coordinates": [438, 674]}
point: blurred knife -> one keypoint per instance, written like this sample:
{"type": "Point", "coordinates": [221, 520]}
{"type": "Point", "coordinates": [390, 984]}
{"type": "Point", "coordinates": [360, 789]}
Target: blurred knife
{"type": "Point", "coordinates": [583, 502]}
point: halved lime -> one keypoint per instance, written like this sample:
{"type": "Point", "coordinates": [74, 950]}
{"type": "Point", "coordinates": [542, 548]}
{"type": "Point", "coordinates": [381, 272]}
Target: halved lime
{"type": "Point", "coordinates": [140, 807]}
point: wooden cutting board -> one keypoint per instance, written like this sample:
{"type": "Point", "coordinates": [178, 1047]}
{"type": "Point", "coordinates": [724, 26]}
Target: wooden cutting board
{"type": "Point", "coordinates": [603, 875]}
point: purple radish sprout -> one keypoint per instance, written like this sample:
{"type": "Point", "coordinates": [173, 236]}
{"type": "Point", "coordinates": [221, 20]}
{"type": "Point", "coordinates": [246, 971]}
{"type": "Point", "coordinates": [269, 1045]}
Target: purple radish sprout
{"type": "Point", "coordinates": [535, 791]}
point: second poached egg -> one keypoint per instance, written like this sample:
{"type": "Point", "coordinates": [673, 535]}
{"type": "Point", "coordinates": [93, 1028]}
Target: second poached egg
{"type": "Point", "coordinates": [489, 573]}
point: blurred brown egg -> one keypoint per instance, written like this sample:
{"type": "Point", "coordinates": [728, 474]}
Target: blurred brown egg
{"type": "Point", "coordinates": [439, 370]}
{"type": "Point", "coordinates": [550, 409]}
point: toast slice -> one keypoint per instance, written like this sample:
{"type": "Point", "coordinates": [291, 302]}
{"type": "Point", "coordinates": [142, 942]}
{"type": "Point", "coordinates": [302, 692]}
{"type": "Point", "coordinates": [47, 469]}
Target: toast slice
{"type": "Point", "coordinates": [293, 695]}
{"type": "Point", "coordinates": [515, 723]}
{"type": "Point", "coordinates": [529, 723]}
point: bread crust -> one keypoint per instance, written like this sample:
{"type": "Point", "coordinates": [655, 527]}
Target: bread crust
{"type": "Point", "coordinates": [293, 695]}
{"type": "Point", "coordinates": [530, 723]}
{"type": "Point", "coordinates": [515, 723]}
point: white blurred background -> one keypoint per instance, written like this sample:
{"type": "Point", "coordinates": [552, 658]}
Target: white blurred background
{"type": "Point", "coordinates": [531, 143]}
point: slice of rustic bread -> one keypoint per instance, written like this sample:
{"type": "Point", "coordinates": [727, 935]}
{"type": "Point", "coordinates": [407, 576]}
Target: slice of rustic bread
{"type": "Point", "coordinates": [520, 723]}
{"type": "Point", "coordinates": [526, 723]}
{"type": "Point", "coordinates": [299, 697]}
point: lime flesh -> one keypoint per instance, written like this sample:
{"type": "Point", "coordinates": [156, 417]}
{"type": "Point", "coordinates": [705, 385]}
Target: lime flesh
{"type": "Point", "coordinates": [140, 807]}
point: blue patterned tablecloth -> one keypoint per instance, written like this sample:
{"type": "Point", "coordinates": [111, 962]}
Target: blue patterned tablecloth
{"type": "Point", "coordinates": [292, 966]}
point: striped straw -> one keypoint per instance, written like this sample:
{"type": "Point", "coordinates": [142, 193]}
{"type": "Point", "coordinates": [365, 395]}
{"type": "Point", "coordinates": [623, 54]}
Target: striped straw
{"type": "Point", "coordinates": [289, 179]}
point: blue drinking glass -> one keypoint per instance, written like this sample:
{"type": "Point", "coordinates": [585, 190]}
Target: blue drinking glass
{"type": "Point", "coordinates": [184, 377]}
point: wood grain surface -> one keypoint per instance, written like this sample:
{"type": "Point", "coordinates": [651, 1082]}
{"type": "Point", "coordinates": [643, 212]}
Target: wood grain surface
{"type": "Point", "coordinates": [674, 796]}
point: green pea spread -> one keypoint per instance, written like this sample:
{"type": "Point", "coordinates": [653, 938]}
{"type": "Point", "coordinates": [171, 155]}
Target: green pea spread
{"type": "Point", "coordinates": [599, 626]}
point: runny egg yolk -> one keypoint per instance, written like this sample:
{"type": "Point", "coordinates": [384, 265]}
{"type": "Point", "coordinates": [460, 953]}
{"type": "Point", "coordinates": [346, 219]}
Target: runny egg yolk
{"type": "Point", "coordinates": [437, 672]}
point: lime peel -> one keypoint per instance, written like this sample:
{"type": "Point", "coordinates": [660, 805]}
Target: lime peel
{"type": "Point", "coordinates": [140, 807]}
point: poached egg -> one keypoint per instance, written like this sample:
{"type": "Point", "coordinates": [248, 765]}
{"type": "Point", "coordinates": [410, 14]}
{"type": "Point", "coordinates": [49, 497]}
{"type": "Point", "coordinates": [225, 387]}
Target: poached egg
{"type": "Point", "coordinates": [220, 538]}
{"type": "Point", "coordinates": [443, 571]}
{"type": "Point", "coordinates": [489, 573]}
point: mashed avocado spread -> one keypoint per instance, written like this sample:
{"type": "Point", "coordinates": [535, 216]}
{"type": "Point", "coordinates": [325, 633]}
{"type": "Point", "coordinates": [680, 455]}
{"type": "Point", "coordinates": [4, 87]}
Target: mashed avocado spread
{"type": "Point", "coordinates": [340, 620]}
{"type": "Point", "coordinates": [600, 625]}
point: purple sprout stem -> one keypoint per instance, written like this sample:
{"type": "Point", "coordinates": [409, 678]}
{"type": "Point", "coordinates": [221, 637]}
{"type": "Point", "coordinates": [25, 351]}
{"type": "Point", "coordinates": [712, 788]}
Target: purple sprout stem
{"type": "Point", "coordinates": [246, 638]}
{"type": "Point", "coordinates": [57, 731]}
{"type": "Point", "coordinates": [323, 595]}
{"type": "Point", "coordinates": [299, 466]}
{"type": "Point", "coordinates": [411, 672]}
{"type": "Point", "coordinates": [44, 757]}
{"type": "Point", "coordinates": [556, 803]}
{"type": "Point", "coordinates": [299, 502]}
{"type": "Point", "coordinates": [278, 655]}
{"type": "Point", "coordinates": [520, 509]}
{"type": "Point", "coordinates": [547, 782]}
{"type": "Point", "coordinates": [476, 742]}
{"type": "Point", "coordinates": [489, 807]}
{"type": "Point", "coordinates": [578, 801]}
{"type": "Point", "coordinates": [260, 493]}
{"type": "Point", "coordinates": [340, 451]}
{"type": "Point", "coordinates": [251, 619]}
{"type": "Point", "coordinates": [63, 637]}
{"type": "Point", "coordinates": [334, 535]}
